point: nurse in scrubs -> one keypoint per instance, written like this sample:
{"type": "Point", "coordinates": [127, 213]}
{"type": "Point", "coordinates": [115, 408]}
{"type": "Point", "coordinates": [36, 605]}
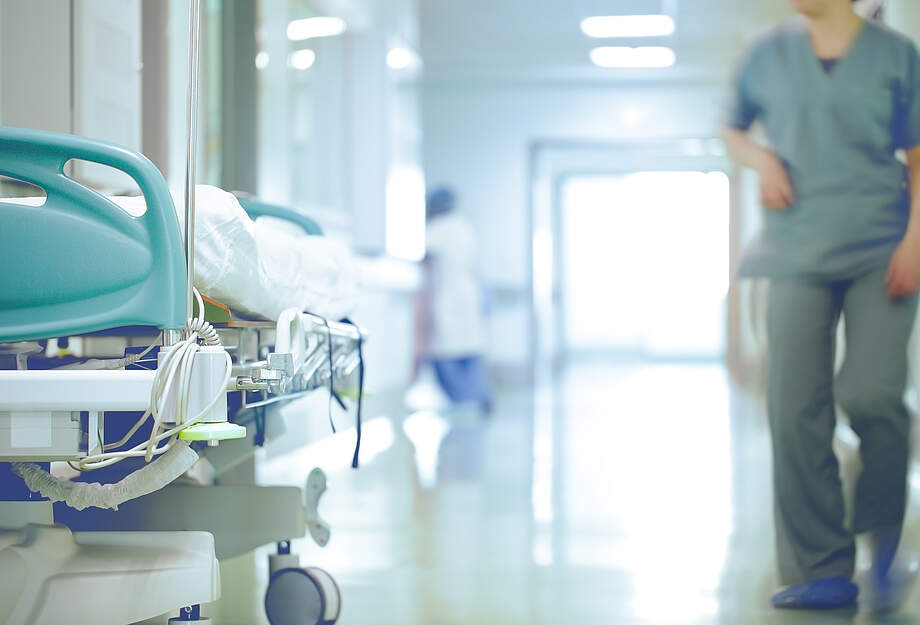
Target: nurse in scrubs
{"type": "Point", "coordinates": [838, 99]}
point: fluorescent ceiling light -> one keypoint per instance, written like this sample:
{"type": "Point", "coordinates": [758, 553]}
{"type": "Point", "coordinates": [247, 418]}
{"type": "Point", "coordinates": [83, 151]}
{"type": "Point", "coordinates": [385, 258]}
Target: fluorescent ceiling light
{"type": "Point", "coordinates": [604, 26]}
{"type": "Point", "coordinates": [262, 59]}
{"type": "Point", "coordinates": [621, 56]}
{"type": "Point", "coordinates": [632, 116]}
{"type": "Point", "coordinates": [302, 59]}
{"type": "Point", "coordinates": [312, 27]}
{"type": "Point", "coordinates": [399, 58]}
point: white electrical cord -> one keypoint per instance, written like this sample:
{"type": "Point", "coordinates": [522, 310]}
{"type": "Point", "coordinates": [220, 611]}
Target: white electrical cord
{"type": "Point", "coordinates": [174, 371]}
{"type": "Point", "coordinates": [96, 364]}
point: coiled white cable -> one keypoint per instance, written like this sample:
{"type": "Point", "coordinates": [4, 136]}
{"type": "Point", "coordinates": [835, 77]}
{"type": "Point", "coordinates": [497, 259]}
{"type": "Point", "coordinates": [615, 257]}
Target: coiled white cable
{"type": "Point", "coordinates": [204, 329]}
{"type": "Point", "coordinates": [175, 370]}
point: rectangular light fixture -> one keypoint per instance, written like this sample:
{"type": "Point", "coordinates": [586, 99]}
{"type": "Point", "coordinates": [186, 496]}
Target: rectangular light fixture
{"type": "Point", "coordinates": [609, 26]}
{"type": "Point", "coordinates": [313, 27]}
{"type": "Point", "coordinates": [302, 59]}
{"type": "Point", "coordinates": [626, 57]}
{"type": "Point", "coordinates": [400, 58]}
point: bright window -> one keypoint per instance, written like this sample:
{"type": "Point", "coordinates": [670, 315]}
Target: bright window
{"type": "Point", "coordinates": [645, 263]}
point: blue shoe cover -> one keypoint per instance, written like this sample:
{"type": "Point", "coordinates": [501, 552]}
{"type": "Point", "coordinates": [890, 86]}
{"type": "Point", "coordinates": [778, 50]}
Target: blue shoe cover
{"type": "Point", "coordinates": [886, 593]}
{"type": "Point", "coordinates": [882, 596]}
{"type": "Point", "coordinates": [822, 594]}
{"type": "Point", "coordinates": [885, 587]}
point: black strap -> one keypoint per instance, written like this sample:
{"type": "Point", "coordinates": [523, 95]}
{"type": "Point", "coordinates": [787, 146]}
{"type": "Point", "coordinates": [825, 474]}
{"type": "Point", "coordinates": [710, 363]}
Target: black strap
{"type": "Point", "coordinates": [340, 402]}
{"type": "Point", "coordinates": [259, 439]}
{"type": "Point", "coordinates": [354, 460]}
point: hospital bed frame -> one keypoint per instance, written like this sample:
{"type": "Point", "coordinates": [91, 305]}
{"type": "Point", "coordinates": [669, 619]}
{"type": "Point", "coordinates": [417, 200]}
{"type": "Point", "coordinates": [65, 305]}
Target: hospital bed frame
{"type": "Point", "coordinates": [132, 292]}
{"type": "Point", "coordinates": [80, 266]}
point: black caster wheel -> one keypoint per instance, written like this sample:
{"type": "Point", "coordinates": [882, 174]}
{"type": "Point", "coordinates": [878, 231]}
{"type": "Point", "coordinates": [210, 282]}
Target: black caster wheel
{"type": "Point", "coordinates": [306, 596]}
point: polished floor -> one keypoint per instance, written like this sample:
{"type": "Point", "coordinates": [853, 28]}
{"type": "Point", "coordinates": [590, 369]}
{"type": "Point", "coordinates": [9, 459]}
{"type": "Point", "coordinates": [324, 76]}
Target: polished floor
{"type": "Point", "coordinates": [617, 494]}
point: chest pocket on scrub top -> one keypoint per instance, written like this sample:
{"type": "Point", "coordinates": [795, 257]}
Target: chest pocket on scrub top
{"type": "Point", "coordinates": [865, 114]}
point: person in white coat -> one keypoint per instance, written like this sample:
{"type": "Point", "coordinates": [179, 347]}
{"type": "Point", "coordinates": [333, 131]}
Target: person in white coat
{"type": "Point", "coordinates": [454, 338]}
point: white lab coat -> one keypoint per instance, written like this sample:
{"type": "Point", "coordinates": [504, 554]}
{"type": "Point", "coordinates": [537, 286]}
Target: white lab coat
{"type": "Point", "coordinates": [458, 327]}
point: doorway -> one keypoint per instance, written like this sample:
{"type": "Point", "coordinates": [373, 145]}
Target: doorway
{"type": "Point", "coordinates": [643, 264]}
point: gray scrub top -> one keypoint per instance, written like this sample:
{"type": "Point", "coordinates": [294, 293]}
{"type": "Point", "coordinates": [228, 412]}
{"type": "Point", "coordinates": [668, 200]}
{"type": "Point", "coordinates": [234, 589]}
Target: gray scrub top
{"type": "Point", "coordinates": [837, 134]}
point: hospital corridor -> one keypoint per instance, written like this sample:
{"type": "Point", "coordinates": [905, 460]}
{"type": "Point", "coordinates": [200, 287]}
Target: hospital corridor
{"type": "Point", "coordinates": [443, 312]}
{"type": "Point", "coordinates": [536, 515]}
{"type": "Point", "coordinates": [569, 505]}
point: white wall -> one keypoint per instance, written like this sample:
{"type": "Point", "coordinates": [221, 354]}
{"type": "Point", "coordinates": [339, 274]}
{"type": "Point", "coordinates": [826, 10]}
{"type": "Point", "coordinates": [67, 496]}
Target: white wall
{"type": "Point", "coordinates": [478, 136]}
{"type": "Point", "coordinates": [61, 63]}
{"type": "Point", "coordinates": [904, 15]}
{"type": "Point", "coordinates": [35, 64]}
{"type": "Point", "coordinates": [332, 135]}
{"type": "Point", "coordinates": [329, 137]}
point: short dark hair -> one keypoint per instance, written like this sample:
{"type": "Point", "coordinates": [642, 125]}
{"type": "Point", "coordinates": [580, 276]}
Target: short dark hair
{"type": "Point", "coordinates": [439, 201]}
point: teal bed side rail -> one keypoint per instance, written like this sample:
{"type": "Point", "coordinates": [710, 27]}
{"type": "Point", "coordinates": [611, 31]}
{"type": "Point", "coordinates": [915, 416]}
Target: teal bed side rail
{"type": "Point", "coordinates": [255, 208]}
{"type": "Point", "coordinates": [79, 263]}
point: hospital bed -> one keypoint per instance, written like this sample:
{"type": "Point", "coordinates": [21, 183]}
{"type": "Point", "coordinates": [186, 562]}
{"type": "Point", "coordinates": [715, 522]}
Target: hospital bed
{"type": "Point", "coordinates": [80, 268]}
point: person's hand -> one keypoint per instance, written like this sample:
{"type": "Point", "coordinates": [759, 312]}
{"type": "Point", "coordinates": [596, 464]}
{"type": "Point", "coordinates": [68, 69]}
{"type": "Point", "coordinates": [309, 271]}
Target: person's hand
{"type": "Point", "coordinates": [775, 188]}
{"type": "Point", "coordinates": [903, 275]}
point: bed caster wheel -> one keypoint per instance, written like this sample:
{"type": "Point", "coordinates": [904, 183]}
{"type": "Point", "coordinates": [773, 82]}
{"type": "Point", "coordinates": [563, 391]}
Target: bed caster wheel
{"type": "Point", "coordinates": [307, 596]}
{"type": "Point", "coordinates": [190, 615]}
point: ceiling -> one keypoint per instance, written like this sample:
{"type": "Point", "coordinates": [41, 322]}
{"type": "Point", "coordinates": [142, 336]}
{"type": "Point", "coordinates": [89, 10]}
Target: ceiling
{"type": "Point", "coordinates": [541, 40]}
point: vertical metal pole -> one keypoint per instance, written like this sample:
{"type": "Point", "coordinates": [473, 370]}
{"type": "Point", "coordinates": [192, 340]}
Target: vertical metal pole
{"type": "Point", "coordinates": [171, 337]}
{"type": "Point", "coordinates": [190, 167]}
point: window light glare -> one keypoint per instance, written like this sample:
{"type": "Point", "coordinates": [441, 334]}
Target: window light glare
{"type": "Point", "coordinates": [606, 26]}
{"type": "Point", "coordinates": [302, 59]}
{"type": "Point", "coordinates": [405, 213]}
{"type": "Point", "coordinates": [626, 57]}
{"type": "Point", "coordinates": [313, 27]}
{"type": "Point", "coordinates": [399, 58]}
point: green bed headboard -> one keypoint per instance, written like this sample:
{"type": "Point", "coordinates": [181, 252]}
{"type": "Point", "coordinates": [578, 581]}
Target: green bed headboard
{"type": "Point", "coordinates": [79, 263]}
{"type": "Point", "coordinates": [255, 208]}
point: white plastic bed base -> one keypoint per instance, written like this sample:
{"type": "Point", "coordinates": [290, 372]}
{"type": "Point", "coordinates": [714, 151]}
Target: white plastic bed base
{"type": "Point", "coordinates": [74, 390]}
{"type": "Point", "coordinates": [40, 410]}
{"type": "Point", "coordinates": [240, 518]}
{"type": "Point", "coordinates": [52, 576]}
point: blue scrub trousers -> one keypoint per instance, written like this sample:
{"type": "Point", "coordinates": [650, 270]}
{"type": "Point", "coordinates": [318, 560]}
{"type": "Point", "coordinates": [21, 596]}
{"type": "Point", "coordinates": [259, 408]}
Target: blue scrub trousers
{"type": "Point", "coordinates": [464, 380]}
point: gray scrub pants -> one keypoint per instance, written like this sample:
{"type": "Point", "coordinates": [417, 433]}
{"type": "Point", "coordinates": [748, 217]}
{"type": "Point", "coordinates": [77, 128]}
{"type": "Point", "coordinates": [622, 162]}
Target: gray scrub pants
{"type": "Point", "coordinates": [812, 540]}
